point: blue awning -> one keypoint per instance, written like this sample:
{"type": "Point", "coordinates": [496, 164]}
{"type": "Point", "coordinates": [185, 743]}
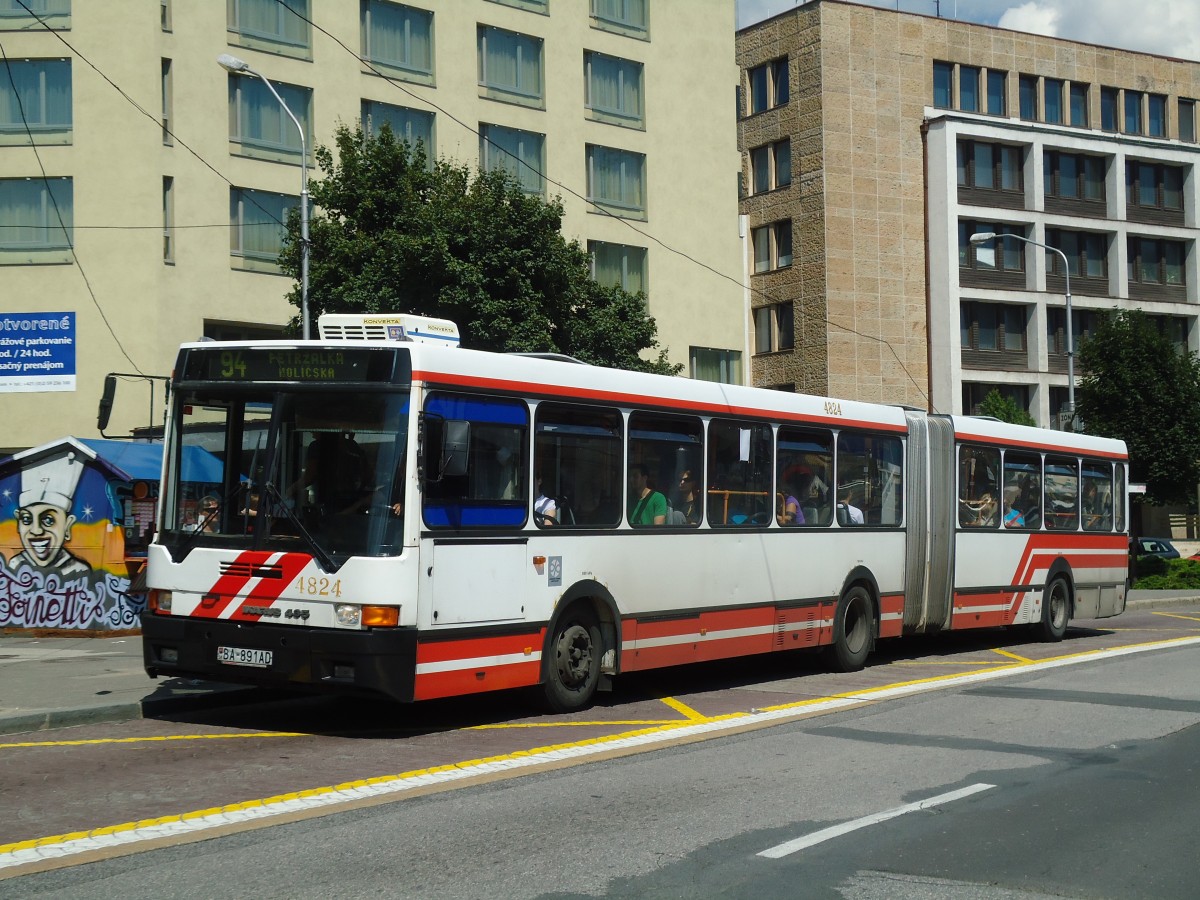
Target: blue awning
{"type": "Point", "coordinates": [143, 462]}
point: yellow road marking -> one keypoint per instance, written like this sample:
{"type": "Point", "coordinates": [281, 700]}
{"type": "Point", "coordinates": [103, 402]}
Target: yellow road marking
{"type": "Point", "coordinates": [1178, 616]}
{"type": "Point", "coordinates": [1020, 659]}
{"type": "Point", "coordinates": [961, 662]}
{"type": "Point", "coordinates": [684, 709]}
{"type": "Point", "coordinates": [165, 737]}
{"type": "Point", "coordinates": [623, 722]}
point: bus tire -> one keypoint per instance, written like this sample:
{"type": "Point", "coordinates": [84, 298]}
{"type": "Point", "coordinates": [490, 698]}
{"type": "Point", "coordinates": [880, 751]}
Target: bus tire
{"type": "Point", "coordinates": [573, 664]}
{"type": "Point", "coordinates": [1056, 611]}
{"type": "Point", "coordinates": [853, 630]}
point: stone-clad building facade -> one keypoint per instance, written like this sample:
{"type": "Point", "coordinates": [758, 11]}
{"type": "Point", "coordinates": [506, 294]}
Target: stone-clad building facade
{"type": "Point", "coordinates": [876, 142]}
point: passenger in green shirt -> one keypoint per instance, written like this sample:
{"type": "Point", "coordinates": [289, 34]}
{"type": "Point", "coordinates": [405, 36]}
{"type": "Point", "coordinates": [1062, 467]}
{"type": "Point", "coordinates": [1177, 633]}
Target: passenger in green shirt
{"type": "Point", "coordinates": [649, 507]}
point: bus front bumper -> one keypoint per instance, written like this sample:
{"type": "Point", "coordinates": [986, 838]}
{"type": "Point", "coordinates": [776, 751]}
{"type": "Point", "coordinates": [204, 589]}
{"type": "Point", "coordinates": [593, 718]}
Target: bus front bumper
{"type": "Point", "coordinates": [379, 661]}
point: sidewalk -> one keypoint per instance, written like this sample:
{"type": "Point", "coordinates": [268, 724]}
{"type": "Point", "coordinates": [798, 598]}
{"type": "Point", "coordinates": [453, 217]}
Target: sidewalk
{"type": "Point", "coordinates": [52, 682]}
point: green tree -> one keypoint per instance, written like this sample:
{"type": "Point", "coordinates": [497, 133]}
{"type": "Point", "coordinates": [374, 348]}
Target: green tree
{"type": "Point", "coordinates": [394, 232]}
{"type": "Point", "coordinates": [1137, 385]}
{"type": "Point", "coordinates": [1006, 409]}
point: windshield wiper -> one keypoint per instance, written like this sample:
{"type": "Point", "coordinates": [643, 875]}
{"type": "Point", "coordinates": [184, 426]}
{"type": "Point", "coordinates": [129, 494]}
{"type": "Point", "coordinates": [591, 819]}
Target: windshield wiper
{"type": "Point", "coordinates": [276, 501]}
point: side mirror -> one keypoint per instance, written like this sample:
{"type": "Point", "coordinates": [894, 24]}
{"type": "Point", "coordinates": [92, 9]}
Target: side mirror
{"type": "Point", "coordinates": [456, 447]}
{"type": "Point", "coordinates": [106, 402]}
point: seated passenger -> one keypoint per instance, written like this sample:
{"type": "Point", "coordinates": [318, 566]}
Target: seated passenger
{"type": "Point", "coordinates": [545, 511]}
{"type": "Point", "coordinates": [1012, 515]}
{"type": "Point", "coordinates": [649, 507]}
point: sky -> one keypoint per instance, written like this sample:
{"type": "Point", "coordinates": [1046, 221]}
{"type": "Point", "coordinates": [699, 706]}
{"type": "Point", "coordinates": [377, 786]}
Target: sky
{"type": "Point", "coordinates": [1166, 27]}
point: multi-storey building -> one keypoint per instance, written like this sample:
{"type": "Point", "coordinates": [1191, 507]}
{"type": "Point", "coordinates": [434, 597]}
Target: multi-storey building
{"type": "Point", "coordinates": [876, 143]}
{"type": "Point", "coordinates": [142, 185]}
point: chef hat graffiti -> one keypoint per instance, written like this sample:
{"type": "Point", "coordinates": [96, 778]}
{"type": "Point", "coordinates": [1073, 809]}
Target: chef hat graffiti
{"type": "Point", "coordinates": [53, 482]}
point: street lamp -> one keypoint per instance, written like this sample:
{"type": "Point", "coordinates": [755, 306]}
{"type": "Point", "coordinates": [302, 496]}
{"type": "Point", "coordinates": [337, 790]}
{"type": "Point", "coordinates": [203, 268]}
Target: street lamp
{"type": "Point", "coordinates": [241, 67]}
{"type": "Point", "coordinates": [986, 237]}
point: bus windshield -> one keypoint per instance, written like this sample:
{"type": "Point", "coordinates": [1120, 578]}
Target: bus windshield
{"type": "Point", "coordinates": [316, 471]}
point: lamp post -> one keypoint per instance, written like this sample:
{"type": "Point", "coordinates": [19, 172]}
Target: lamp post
{"type": "Point", "coordinates": [241, 67]}
{"type": "Point", "coordinates": [986, 237]}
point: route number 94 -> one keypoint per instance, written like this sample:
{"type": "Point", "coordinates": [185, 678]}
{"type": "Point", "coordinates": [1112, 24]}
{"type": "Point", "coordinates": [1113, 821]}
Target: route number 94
{"type": "Point", "coordinates": [319, 587]}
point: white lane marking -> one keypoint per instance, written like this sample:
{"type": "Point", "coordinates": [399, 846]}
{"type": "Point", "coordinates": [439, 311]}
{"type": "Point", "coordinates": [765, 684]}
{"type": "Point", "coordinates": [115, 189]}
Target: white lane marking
{"type": "Point", "coordinates": [825, 834]}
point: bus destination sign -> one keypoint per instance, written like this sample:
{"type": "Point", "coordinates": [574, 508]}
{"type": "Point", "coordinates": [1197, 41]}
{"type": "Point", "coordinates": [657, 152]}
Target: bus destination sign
{"type": "Point", "coordinates": [295, 364]}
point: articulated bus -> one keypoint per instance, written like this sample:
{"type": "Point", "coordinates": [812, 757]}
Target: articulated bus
{"type": "Point", "coordinates": [427, 521]}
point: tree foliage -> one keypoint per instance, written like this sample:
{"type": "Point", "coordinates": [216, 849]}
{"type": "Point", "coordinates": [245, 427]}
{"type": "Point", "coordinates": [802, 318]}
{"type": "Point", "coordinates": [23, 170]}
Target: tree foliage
{"type": "Point", "coordinates": [1137, 385]}
{"type": "Point", "coordinates": [395, 232]}
{"type": "Point", "coordinates": [1005, 409]}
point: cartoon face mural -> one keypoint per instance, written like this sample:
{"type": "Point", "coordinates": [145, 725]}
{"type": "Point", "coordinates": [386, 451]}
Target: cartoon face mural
{"type": "Point", "coordinates": [61, 543]}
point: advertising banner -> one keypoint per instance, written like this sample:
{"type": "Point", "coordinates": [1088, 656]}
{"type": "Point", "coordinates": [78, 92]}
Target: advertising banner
{"type": "Point", "coordinates": [37, 352]}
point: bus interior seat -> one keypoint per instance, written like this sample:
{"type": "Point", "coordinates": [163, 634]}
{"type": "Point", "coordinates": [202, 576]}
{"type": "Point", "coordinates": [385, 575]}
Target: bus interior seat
{"type": "Point", "coordinates": [811, 516]}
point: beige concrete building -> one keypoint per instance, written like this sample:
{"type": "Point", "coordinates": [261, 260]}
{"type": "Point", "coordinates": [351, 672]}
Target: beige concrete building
{"type": "Point", "coordinates": [875, 143]}
{"type": "Point", "coordinates": [141, 184]}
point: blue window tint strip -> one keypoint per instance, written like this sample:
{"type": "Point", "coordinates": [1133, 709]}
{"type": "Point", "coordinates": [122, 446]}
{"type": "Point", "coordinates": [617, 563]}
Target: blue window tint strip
{"type": "Point", "coordinates": [472, 515]}
{"type": "Point", "coordinates": [499, 412]}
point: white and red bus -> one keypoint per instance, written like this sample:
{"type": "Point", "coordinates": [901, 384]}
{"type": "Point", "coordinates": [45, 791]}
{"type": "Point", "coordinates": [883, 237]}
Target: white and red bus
{"type": "Point", "coordinates": [427, 521]}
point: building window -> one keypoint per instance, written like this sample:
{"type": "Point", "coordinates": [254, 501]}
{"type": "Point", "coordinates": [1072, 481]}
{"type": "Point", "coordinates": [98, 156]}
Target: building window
{"type": "Point", "coordinates": [773, 330]}
{"type": "Point", "coordinates": [399, 38]}
{"type": "Point", "coordinates": [997, 93]}
{"type": "Point", "coordinates": [1027, 91]}
{"type": "Point", "coordinates": [258, 227]}
{"type": "Point", "coordinates": [616, 179]}
{"type": "Point", "coordinates": [1187, 120]}
{"type": "Point", "coordinates": [24, 15]}
{"type": "Point", "coordinates": [35, 101]}
{"type": "Point", "coordinates": [259, 124]}
{"type": "Point", "coordinates": [968, 88]}
{"type": "Point", "coordinates": [1086, 253]}
{"type": "Point", "coordinates": [1156, 118]}
{"type": "Point", "coordinates": [1052, 98]}
{"type": "Point", "coordinates": [510, 66]}
{"type": "Point", "coordinates": [1156, 261]}
{"type": "Point", "coordinates": [771, 166]}
{"type": "Point", "coordinates": [712, 364]}
{"type": "Point", "coordinates": [1174, 329]}
{"type": "Point", "coordinates": [631, 17]}
{"type": "Point", "coordinates": [241, 331]}
{"type": "Point", "coordinates": [768, 85]}
{"type": "Point", "coordinates": [772, 246]}
{"type": "Point", "coordinates": [943, 85]}
{"type": "Point", "coordinates": [990, 167]}
{"type": "Point", "coordinates": [619, 265]}
{"type": "Point", "coordinates": [36, 220]}
{"type": "Point", "coordinates": [273, 25]}
{"type": "Point", "coordinates": [999, 256]}
{"type": "Point", "coordinates": [520, 153]}
{"type": "Point", "coordinates": [991, 326]}
{"type": "Point", "coordinates": [537, 6]}
{"type": "Point", "coordinates": [613, 89]}
{"type": "Point", "coordinates": [1084, 323]}
{"type": "Point", "coordinates": [1079, 105]}
{"type": "Point", "coordinates": [1108, 108]}
{"type": "Point", "coordinates": [1073, 176]}
{"type": "Point", "coordinates": [1153, 186]}
{"type": "Point", "coordinates": [165, 15]}
{"type": "Point", "coordinates": [168, 219]}
{"type": "Point", "coordinates": [413, 126]}
{"type": "Point", "coordinates": [973, 394]}
{"type": "Point", "coordinates": [167, 103]}
{"type": "Point", "coordinates": [1133, 112]}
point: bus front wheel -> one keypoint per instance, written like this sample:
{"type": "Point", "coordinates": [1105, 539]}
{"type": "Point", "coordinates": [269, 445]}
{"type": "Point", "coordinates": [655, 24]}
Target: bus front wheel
{"type": "Point", "coordinates": [853, 630]}
{"type": "Point", "coordinates": [573, 669]}
{"type": "Point", "coordinates": [1056, 611]}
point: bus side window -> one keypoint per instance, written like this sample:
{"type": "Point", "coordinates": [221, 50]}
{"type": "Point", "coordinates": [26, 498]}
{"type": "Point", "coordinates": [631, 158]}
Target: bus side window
{"type": "Point", "coordinates": [979, 503]}
{"type": "Point", "coordinates": [666, 446]}
{"type": "Point", "coordinates": [870, 479]}
{"type": "Point", "coordinates": [1062, 493]}
{"type": "Point", "coordinates": [739, 473]}
{"type": "Point", "coordinates": [804, 470]}
{"type": "Point", "coordinates": [577, 456]}
{"type": "Point", "coordinates": [1097, 503]}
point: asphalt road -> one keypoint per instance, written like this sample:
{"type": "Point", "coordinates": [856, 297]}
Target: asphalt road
{"type": "Point", "coordinates": [1090, 767]}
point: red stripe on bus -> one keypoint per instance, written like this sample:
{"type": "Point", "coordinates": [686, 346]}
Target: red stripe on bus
{"type": "Point", "coordinates": [1037, 445]}
{"type": "Point", "coordinates": [229, 585]}
{"type": "Point", "coordinates": [620, 398]}
{"type": "Point", "coordinates": [434, 651]}
{"type": "Point", "coordinates": [432, 685]}
{"type": "Point", "coordinates": [291, 564]}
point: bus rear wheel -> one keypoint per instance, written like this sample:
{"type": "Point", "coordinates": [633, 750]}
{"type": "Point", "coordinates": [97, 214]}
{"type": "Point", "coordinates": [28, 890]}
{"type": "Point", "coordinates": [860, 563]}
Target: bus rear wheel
{"type": "Point", "coordinates": [1056, 611]}
{"type": "Point", "coordinates": [853, 630]}
{"type": "Point", "coordinates": [573, 669]}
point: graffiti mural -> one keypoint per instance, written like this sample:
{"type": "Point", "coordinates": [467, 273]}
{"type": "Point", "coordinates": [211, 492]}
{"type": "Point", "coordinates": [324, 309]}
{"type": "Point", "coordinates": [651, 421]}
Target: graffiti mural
{"type": "Point", "coordinates": [62, 542]}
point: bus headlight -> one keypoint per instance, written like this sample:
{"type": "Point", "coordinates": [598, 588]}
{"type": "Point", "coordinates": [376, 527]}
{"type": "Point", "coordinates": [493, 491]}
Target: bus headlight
{"type": "Point", "coordinates": [348, 614]}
